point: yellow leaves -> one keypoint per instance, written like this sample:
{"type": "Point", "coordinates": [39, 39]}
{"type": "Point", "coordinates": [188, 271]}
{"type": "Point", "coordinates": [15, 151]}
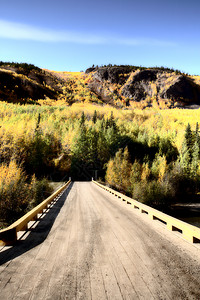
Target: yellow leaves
{"type": "Point", "coordinates": [110, 175]}
{"type": "Point", "coordinates": [145, 172]}
{"type": "Point", "coordinates": [159, 167]}
{"type": "Point", "coordinates": [162, 168]}
{"type": "Point", "coordinates": [10, 173]}
{"type": "Point", "coordinates": [75, 89]}
{"type": "Point", "coordinates": [18, 121]}
{"type": "Point", "coordinates": [119, 169]}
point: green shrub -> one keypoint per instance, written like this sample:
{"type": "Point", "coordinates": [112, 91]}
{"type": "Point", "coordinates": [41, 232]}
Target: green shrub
{"type": "Point", "coordinates": [153, 193]}
{"type": "Point", "coordinates": [40, 190]}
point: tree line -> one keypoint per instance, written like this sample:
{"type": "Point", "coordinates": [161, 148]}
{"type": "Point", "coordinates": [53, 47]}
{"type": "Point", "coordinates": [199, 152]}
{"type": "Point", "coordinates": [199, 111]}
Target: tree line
{"type": "Point", "coordinates": [143, 154]}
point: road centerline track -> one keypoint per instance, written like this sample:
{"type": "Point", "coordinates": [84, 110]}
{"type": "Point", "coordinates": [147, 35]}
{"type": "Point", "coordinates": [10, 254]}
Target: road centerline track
{"type": "Point", "coordinates": [91, 245]}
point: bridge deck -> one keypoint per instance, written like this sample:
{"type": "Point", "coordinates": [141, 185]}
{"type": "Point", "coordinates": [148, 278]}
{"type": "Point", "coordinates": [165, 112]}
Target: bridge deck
{"type": "Point", "coordinates": [92, 246]}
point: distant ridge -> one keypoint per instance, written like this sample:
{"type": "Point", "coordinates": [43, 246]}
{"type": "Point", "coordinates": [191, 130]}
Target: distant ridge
{"type": "Point", "coordinates": [120, 86]}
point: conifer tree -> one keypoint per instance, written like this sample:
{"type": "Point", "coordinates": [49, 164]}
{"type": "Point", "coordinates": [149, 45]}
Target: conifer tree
{"type": "Point", "coordinates": [103, 150]}
{"type": "Point", "coordinates": [94, 118]}
{"type": "Point", "coordinates": [186, 154]}
{"type": "Point", "coordinates": [92, 138]}
{"type": "Point", "coordinates": [185, 158]}
{"type": "Point", "coordinates": [102, 127]}
{"type": "Point", "coordinates": [195, 159]}
{"type": "Point", "coordinates": [82, 120]}
{"type": "Point", "coordinates": [80, 142]}
{"type": "Point", "coordinates": [189, 140]}
{"type": "Point", "coordinates": [107, 124]}
{"type": "Point", "coordinates": [112, 122]}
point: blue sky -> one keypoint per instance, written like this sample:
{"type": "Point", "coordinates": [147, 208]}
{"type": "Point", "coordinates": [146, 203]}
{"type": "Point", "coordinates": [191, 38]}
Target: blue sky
{"type": "Point", "coordinates": [74, 35]}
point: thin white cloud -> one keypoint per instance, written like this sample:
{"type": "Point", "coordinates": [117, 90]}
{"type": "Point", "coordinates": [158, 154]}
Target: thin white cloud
{"type": "Point", "coordinates": [145, 42]}
{"type": "Point", "coordinates": [18, 31]}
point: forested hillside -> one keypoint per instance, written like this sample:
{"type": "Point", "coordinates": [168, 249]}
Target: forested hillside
{"type": "Point", "coordinates": [152, 155]}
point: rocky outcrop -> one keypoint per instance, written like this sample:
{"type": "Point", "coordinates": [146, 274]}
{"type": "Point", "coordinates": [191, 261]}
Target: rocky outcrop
{"type": "Point", "coordinates": [184, 89]}
{"type": "Point", "coordinates": [138, 85]}
{"type": "Point", "coordinates": [113, 74]}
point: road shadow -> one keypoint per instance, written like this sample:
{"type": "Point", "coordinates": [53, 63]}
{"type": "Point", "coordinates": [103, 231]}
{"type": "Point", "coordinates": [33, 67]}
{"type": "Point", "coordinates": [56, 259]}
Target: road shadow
{"type": "Point", "coordinates": [38, 234]}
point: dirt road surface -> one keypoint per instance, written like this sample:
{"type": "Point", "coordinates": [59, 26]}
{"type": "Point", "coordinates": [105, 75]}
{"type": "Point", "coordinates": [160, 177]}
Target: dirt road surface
{"type": "Point", "coordinates": [91, 245]}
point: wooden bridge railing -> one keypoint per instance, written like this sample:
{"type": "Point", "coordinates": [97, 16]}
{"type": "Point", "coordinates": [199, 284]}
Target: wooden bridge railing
{"type": "Point", "coordinates": [189, 232]}
{"type": "Point", "coordinates": [8, 236]}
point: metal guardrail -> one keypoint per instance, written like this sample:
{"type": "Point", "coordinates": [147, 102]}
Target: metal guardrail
{"type": "Point", "coordinates": [8, 236]}
{"type": "Point", "coordinates": [189, 232]}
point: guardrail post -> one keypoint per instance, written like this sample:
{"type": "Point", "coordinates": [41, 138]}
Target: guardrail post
{"type": "Point", "coordinates": [169, 226]}
{"type": "Point", "coordinates": [151, 216]}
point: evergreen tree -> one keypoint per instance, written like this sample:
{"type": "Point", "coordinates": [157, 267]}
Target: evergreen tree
{"type": "Point", "coordinates": [79, 164]}
{"type": "Point", "coordinates": [107, 124]}
{"type": "Point", "coordinates": [94, 118]}
{"type": "Point", "coordinates": [103, 149]}
{"type": "Point", "coordinates": [103, 126]}
{"type": "Point", "coordinates": [195, 158]}
{"type": "Point", "coordinates": [112, 122]}
{"type": "Point", "coordinates": [186, 155]}
{"type": "Point", "coordinates": [82, 120]}
{"type": "Point", "coordinates": [185, 158]}
{"type": "Point", "coordinates": [92, 139]}
{"type": "Point", "coordinates": [80, 143]}
{"type": "Point", "coordinates": [189, 140]}
{"type": "Point", "coordinates": [37, 128]}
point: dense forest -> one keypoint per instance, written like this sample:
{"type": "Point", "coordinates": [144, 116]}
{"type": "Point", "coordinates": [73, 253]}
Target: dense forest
{"type": "Point", "coordinates": [152, 155]}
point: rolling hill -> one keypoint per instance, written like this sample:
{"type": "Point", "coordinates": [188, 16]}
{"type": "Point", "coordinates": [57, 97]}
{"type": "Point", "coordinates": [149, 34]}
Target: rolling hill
{"type": "Point", "coordinates": [119, 86]}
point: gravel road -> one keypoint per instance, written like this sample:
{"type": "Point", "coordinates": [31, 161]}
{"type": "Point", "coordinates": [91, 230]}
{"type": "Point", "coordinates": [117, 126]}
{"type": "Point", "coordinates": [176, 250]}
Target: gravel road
{"type": "Point", "coordinates": [91, 245]}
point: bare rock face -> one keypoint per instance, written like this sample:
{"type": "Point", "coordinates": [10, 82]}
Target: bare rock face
{"type": "Point", "coordinates": [111, 74]}
{"type": "Point", "coordinates": [145, 76]}
{"type": "Point", "coordinates": [137, 84]}
{"type": "Point", "coordinates": [183, 89]}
